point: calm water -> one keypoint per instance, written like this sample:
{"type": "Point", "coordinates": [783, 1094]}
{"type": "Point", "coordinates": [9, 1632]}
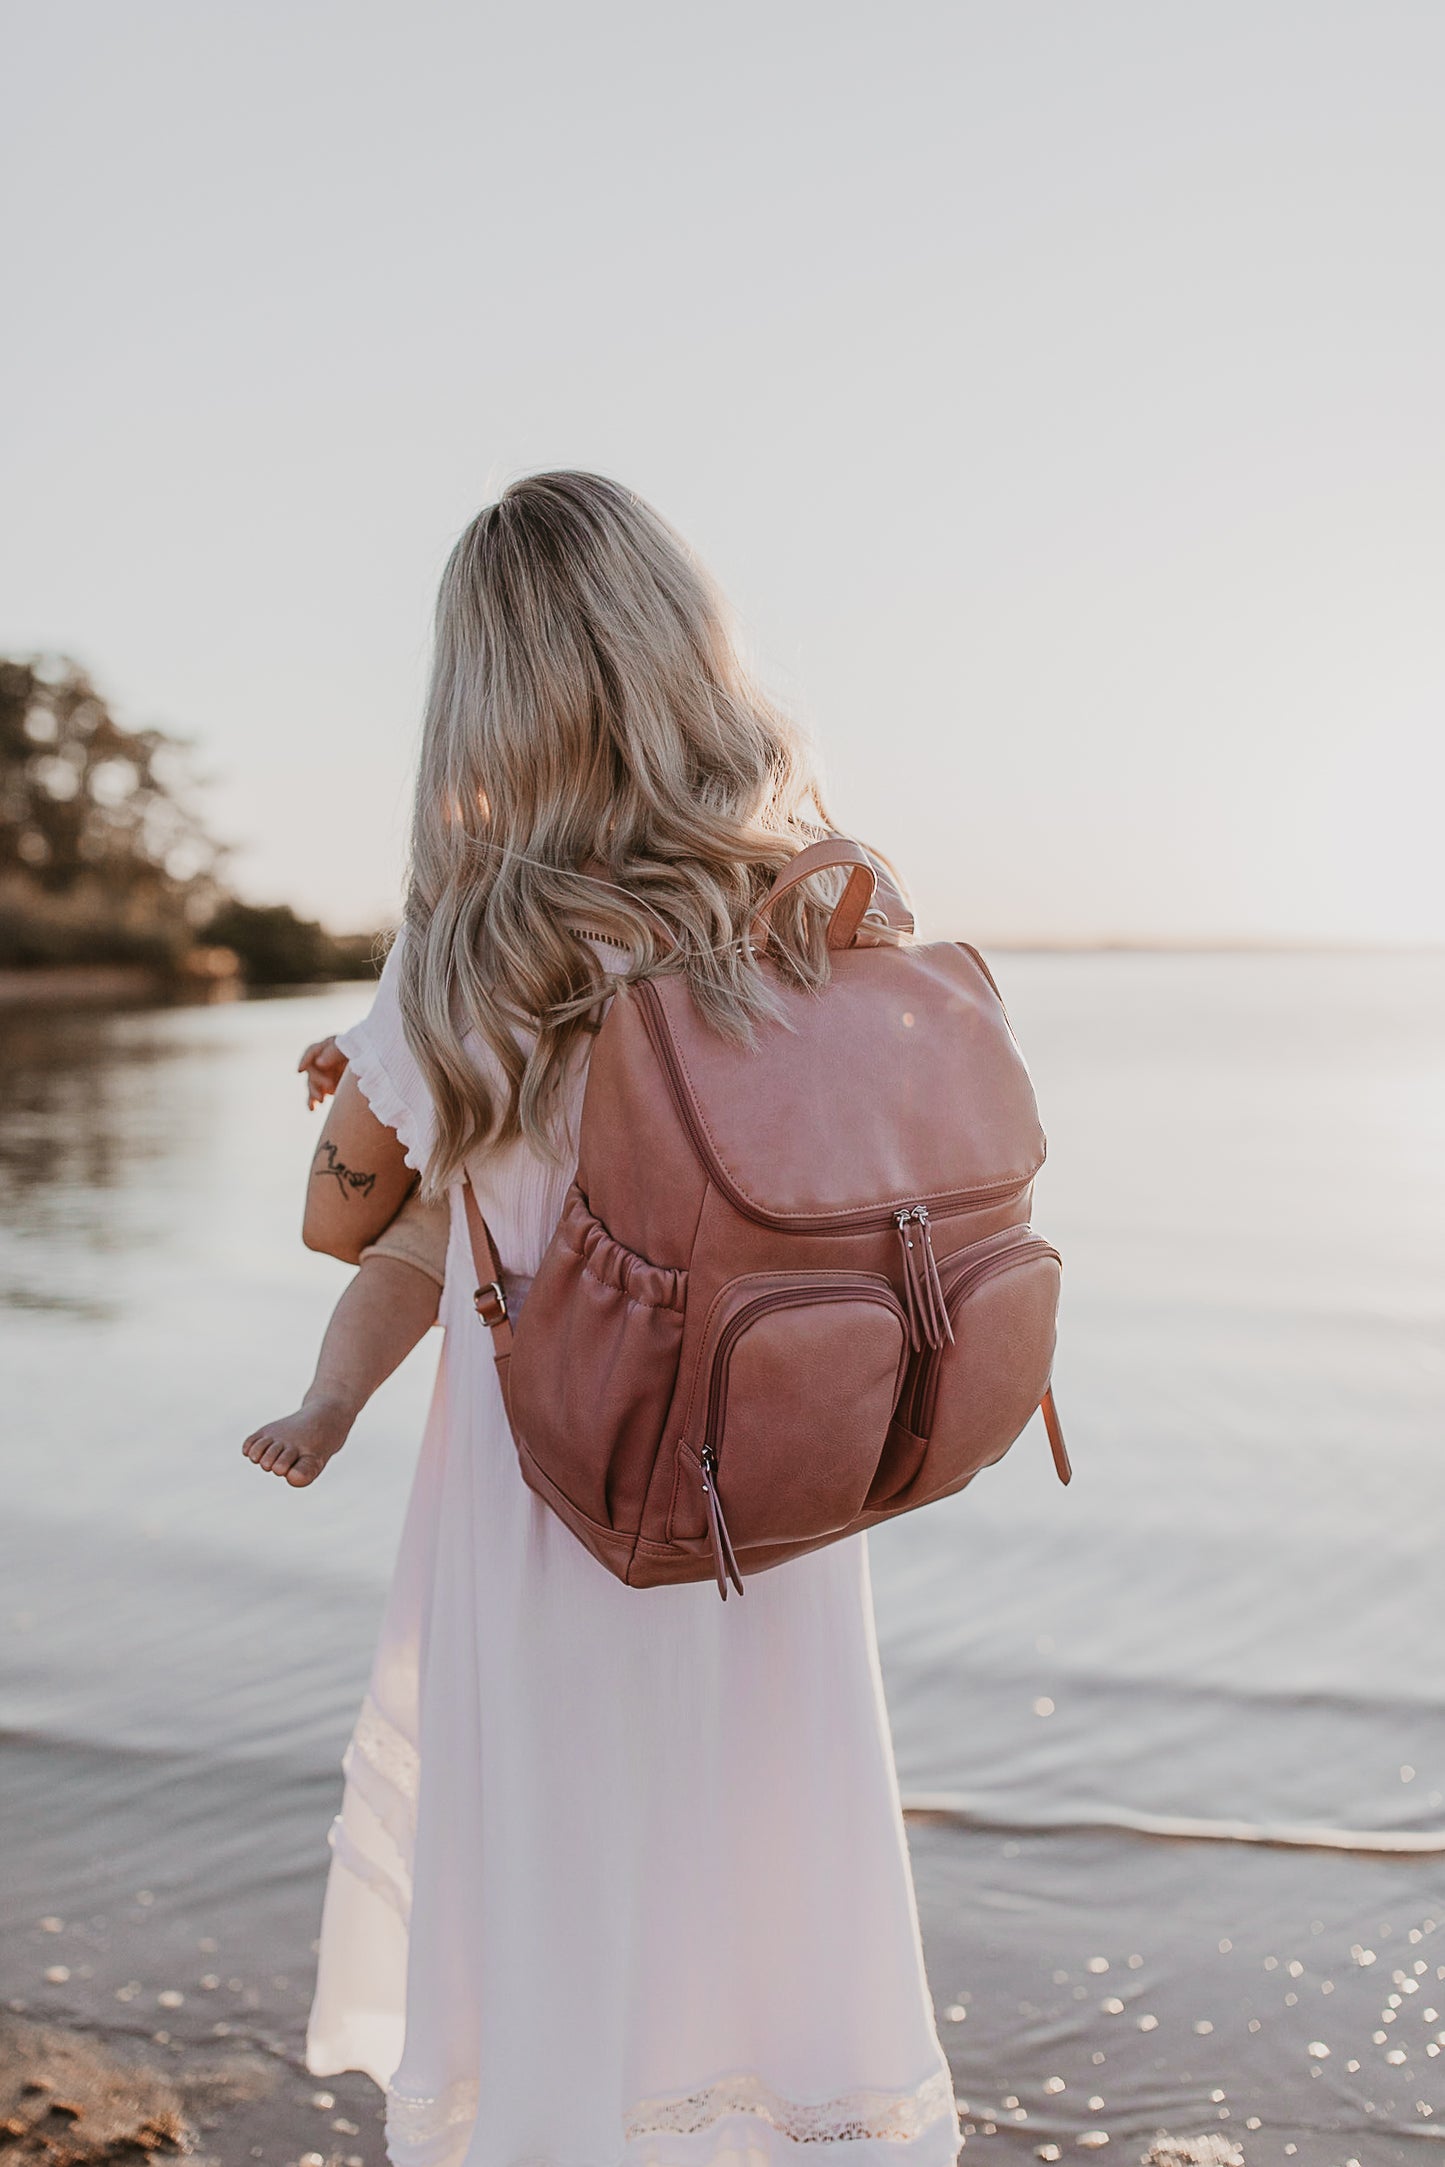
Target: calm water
{"type": "Point", "coordinates": [1168, 1734]}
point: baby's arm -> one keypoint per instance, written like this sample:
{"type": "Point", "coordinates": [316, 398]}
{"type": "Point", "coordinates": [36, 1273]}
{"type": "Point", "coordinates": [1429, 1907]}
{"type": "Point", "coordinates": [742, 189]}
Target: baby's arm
{"type": "Point", "coordinates": [384, 1312]}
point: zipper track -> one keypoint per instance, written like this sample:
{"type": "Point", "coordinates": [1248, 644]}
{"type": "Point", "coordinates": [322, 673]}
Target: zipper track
{"type": "Point", "coordinates": [864, 1219]}
{"type": "Point", "coordinates": [780, 1298]}
{"type": "Point", "coordinates": [922, 1398]}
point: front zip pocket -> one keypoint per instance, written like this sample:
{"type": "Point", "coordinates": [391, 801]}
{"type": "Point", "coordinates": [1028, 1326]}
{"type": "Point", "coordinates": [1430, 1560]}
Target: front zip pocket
{"type": "Point", "coordinates": [790, 1411]}
{"type": "Point", "coordinates": [966, 1400]}
{"type": "Point", "coordinates": [921, 1401]}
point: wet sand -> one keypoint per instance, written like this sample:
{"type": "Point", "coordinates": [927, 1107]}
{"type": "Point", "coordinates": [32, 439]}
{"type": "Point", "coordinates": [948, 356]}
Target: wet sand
{"type": "Point", "coordinates": [1092, 1987]}
{"type": "Point", "coordinates": [71, 2098]}
{"type": "Point", "coordinates": [1086, 1995]}
{"type": "Point", "coordinates": [176, 2002]}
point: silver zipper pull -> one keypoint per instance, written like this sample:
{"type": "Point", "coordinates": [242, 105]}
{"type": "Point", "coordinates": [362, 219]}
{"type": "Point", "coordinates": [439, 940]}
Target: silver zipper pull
{"type": "Point", "coordinates": [911, 1303]}
{"type": "Point", "coordinates": [724, 1558]}
{"type": "Point", "coordinates": [937, 1329]}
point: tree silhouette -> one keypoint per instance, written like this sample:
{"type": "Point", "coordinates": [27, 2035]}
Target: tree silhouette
{"type": "Point", "coordinates": [104, 856]}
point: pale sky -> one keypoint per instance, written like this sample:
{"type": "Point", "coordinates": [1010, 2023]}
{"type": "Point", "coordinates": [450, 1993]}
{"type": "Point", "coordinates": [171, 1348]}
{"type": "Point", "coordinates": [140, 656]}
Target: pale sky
{"type": "Point", "coordinates": [1056, 389]}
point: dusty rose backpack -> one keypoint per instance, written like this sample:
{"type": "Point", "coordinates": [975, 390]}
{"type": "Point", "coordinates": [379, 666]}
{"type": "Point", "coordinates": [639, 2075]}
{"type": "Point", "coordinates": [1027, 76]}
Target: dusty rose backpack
{"type": "Point", "coordinates": [794, 1289]}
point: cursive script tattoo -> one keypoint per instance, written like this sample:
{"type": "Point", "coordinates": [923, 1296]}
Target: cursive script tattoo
{"type": "Point", "coordinates": [346, 1177]}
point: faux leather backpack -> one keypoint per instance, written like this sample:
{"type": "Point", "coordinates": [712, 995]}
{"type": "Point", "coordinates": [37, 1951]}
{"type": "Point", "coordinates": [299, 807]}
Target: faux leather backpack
{"type": "Point", "coordinates": [794, 1289]}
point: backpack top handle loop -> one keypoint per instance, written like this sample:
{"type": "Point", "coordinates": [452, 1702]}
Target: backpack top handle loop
{"type": "Point", "coordinates": [849, 909]}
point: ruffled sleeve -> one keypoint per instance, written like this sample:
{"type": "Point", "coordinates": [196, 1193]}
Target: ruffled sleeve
{"type": "Point", "coordinates": [386, 1069]}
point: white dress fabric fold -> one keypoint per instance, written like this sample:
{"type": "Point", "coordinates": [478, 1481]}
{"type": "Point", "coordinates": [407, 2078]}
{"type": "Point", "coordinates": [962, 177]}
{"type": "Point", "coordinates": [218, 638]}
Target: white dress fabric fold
{"type": "Point", "coordinates": [619, 1877]}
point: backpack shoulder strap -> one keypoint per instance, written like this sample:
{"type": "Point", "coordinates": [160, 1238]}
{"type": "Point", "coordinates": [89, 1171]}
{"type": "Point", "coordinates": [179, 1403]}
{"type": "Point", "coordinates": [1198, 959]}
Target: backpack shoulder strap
{"type": "Point", "coordinates": [489, 1301]}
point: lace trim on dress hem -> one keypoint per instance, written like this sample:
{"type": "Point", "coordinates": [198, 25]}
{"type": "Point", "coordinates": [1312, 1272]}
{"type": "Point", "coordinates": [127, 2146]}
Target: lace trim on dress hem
{"type": "Point", "coordinates": [896, 2117]}
{"type": "Point", "coordinates": [414, 2123]}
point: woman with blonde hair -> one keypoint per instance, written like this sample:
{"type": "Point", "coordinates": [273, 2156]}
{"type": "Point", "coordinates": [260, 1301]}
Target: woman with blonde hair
{"type": "Point", "coordinates": [620, 1874]}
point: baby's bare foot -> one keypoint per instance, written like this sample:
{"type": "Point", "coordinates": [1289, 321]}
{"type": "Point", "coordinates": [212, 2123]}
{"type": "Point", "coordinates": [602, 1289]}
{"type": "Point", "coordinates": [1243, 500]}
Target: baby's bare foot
{"type": "Point", "coordinates": [299, 1445]}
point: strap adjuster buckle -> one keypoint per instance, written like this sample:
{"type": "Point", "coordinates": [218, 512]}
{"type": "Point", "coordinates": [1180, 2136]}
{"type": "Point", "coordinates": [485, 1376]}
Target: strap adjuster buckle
{"type": "Point", "coordinates": [490, 1303]}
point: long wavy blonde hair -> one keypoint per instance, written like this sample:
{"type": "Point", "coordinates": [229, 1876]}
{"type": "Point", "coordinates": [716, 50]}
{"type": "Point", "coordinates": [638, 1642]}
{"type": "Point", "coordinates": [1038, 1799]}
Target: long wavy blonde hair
{"type": "Point", "coordinates": [594, 755]}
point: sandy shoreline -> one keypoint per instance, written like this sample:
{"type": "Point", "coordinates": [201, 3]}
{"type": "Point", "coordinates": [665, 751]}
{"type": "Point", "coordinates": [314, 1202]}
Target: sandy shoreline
{"type": "Point", "coordinates": [78, 2099]}
{"type": "Point", "coordinates": [81, 985]}
{"type": "Point", "coordinates": [69, 2098]}
{"type": "Point", "coordinates": [1085, 1992]}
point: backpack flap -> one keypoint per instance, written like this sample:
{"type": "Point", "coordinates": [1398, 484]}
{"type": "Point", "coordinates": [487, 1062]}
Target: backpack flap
{"type": "Point", "coordinates": [901, 1084]}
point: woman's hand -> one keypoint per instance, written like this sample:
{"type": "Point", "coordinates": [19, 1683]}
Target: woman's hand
{"type": "Point", "coordinates": [359, 1178]}
{"type": "Point", "coordinates": [323, 1065]}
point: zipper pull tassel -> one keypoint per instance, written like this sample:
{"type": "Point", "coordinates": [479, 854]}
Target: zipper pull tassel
{"type": "Point", "coordinates": [724, 1558]}
{"type": "Point", "coordinates": [912, 1293]}
{"type": "Point", "coordinates": [923, 1303]}
{"type": "Point", "coordinates": [939, 1328]}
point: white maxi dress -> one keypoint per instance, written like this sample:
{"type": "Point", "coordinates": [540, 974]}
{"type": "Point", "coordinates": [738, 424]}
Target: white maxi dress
{"type": "Point", "coordinates": [619, 1877]}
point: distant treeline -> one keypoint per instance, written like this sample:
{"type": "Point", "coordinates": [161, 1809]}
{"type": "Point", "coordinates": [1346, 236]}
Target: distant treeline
{"type": "Point", "coordinates": [105, 858]}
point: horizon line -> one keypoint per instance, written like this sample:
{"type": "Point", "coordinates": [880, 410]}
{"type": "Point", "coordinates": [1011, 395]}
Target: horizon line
{"type": "Point", "coordinates": [1132, 944]}
{"type": "Point", "coordinates": [1207, 945]}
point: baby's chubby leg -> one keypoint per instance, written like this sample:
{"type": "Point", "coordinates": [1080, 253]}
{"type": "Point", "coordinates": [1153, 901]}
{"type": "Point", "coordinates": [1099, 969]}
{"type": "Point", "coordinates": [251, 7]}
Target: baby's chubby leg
{"type": "Point", "coordinates": [385, 1311]}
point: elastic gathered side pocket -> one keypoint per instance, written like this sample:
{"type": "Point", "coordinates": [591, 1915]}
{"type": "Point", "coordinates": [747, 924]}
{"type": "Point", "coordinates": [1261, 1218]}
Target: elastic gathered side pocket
{"type": "Point", "coordinates": [594, 1366]}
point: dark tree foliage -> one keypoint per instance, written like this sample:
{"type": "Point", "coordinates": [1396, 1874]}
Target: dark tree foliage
{"type": "Point", "coordinates": [104, 857]}
{"type": "Point", "coordinates": [279, 949]}
{"type": "Point", "coordinates": [79, 795]}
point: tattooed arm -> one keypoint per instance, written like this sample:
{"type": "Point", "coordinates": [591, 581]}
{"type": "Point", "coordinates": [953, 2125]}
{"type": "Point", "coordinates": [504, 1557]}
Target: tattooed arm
{"type": "Point", "coordinates": [359, 1178]}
